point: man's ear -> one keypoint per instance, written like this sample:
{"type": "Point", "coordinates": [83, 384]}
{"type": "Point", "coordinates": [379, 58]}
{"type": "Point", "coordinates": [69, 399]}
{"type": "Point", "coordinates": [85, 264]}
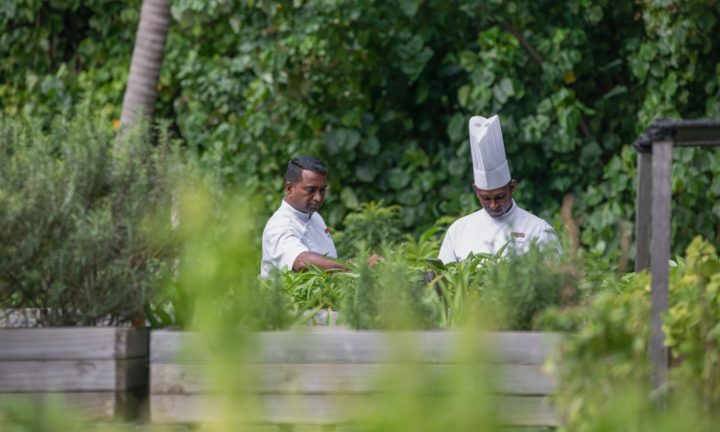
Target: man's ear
{"type": "Point", "coordinates": [513, 184]}
{"type": "Point", "coordinates": [288, 187]}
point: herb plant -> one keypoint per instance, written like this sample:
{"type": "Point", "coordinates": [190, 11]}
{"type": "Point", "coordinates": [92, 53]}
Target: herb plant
{"type": "Point", "coordinates": [75, 247]}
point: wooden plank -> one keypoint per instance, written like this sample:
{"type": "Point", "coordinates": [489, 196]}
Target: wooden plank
{"type": "Point", "coordinates": [88, 405]}
{"type": "Point", "coordinates": [345, 378]}
{"type": "Point", "coordinates": [72, 343]}
{"type": "Point", "coordinates": [661, 206]}
{"type": "Point", "coordinates": [522, 347]}
{"type": "Point", "coordinates": [72, 375]}
{"type": "Point", "coordinates": [324, 409]}
{"type": "Point", "coordinates": [349, 346]}
{"type": "Point", "coordinates": [133, 342]}
{"type": "Point", "coordinates": [171, 346]}
{"type": "Point", "coordinates": [643, 214]}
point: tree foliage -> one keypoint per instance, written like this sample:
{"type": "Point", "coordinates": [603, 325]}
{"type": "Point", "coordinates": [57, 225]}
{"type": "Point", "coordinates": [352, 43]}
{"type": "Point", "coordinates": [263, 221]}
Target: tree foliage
{"type": "Point", "coordinates": [55, 52]}
{"type": "Point", "coordinates": [383, 91]}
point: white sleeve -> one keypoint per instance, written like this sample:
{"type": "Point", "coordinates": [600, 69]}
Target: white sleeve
{"type": "Point", "coordinates": [281, 246]}
{"type": "Point", "coordinates": [447, 249]}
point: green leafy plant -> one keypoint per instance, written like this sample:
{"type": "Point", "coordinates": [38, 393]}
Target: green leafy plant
{"type": "Point", "coordinates": [506, 291]}
{"type": "Point", "coordinates": [372, 226]}
{"type": "Point", "coordinates": [519, 287]}
{"type": "Point", "coordinates": [692, 323]}
{"type": "Point", "coordinates": [607, 350]}
{"type": "Point", "coordinates": [426, 246]}
{"type": "Point", "coordinates": [71, 219]}
{"type": "Point", "coordinates": [393, 295]}
{"type": "Point", "coordinates": [316, 288]}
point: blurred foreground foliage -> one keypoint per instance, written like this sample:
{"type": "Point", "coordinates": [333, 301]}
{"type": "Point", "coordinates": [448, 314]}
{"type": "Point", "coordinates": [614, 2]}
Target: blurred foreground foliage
{"type": "Point", "coordinates": [215, 279]}
{"type": "Point", "coordinates": [383, 91]}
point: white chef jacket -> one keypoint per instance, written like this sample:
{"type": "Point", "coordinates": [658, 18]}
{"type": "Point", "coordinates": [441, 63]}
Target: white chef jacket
{"type": "Point", "coordinates": [290, 232]}
{"type": "Point", "coordinates": [481, 233]}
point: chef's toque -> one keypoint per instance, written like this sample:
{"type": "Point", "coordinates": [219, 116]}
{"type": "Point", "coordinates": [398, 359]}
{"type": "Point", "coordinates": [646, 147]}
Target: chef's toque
{"type": "Point", "coordinates": [490, 167]}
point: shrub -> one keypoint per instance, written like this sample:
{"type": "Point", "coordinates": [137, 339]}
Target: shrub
{"type": "Point", "coordinates": [393, 295]}
{"type": "Point", "coordinates": [71, 213]}
{"type": "Point", "coordinates": [316, 288]}
{"type": "Point", "coordinates": [608, 349]}
{"type": "Point", "coordinates": [520, 287]}
{"type": "Point", "coordinates": [507, 291]}
{"type": "Point", "coordinates": [373, 226]}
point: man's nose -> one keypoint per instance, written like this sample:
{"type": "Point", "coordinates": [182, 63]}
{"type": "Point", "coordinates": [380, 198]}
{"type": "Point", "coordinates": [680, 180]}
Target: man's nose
{"type": "Point", "coordinates": [494, 204]}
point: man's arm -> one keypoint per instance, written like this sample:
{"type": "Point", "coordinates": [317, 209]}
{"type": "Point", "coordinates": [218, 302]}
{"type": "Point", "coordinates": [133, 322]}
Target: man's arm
{"type": "Point", "coordinates": [306, 259]}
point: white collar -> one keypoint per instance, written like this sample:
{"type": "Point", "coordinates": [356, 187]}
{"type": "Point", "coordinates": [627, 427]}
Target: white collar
{"type": "Point", "coordinates": [286, 206]}
{"type": "Point", "coordinates": [510, 213]}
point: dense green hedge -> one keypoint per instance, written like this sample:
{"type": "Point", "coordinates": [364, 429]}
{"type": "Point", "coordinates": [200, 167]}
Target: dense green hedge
{"type": "Point", "coordinates": [382, 90]}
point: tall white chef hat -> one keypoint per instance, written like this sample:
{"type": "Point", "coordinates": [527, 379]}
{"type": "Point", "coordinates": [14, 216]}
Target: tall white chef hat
{"type": "Point", "coordinates": [490, 167]}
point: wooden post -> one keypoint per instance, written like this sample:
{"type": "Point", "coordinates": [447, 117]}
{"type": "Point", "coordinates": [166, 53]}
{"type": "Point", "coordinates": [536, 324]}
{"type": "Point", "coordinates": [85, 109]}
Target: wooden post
{"type": "Point", "coordinates": [643, 216]}
{"type": "Point", "coordinates": [661, 206]}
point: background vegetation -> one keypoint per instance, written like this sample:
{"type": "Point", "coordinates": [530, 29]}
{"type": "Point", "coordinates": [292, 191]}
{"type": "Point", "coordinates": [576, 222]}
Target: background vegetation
{"type": "Point", "coordinates": [383, 90]}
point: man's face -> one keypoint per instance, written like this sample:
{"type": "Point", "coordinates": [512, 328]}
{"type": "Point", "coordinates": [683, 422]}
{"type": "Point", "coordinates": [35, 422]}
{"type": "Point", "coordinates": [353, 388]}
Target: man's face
{"type": "Point", "coordinates": [307, 194]}
{"type": "Point", "coordinates": [496, 202]}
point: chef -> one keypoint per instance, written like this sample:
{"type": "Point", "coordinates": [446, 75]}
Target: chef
{"type": "Point", "coordinates": [296, 237]}
{"type": "Point", "coordinates": [500, 221]}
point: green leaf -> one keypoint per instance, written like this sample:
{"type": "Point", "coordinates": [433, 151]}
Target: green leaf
{"type": "Point", "coordinates": [468, 60]}
{"type": "Point", "coordinates": [463, 95]}
{"type": "Point", "coordinates": [349, 198]}
{"type": "Point", "coordinates": [366, 172]}
{"type": "Point", "coordinates": [371, 146]}
{"type": "Point", "coordinates": [507, 86]}
{"type": "Point", "coordinates": [409, 7]}
{"type": "Point", "coordinates": [615, 91]}
{"type": "Point", "coordinates": [456, 128]}
{"type": "Point", "coordinates": [398, 178]}
{"type": "Point", "coordinates": [352, 118]}
{"type": "Point", "coordinates": [421, 94]}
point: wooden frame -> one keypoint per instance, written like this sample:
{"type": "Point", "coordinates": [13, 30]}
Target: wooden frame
{"type": "Point", "coordinates": [101, 372]}
{"type": "Point", "coordinates": [653, 213]}
{"type": "Point", "coordinates": [322, 376]}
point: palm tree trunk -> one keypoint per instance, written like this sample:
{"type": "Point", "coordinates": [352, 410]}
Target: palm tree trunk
{"type": "Point", "coordinates": [147, 59]}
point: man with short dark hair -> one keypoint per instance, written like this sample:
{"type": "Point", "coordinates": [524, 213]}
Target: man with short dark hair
{"type": "Point", "coordinates": [500, 223]}
{"type": "Point", "coordinates": [296, 237]}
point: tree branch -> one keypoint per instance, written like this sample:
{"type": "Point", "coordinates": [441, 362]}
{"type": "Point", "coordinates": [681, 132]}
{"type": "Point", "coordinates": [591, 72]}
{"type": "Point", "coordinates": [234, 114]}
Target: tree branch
{"type": "Point", "coordinates": [532, 52]}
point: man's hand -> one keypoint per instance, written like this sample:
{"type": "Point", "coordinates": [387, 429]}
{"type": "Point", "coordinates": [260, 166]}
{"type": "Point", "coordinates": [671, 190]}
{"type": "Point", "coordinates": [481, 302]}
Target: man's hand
{"type": "Point", "coordinates": [306, 259]}
{"type": "Point", "coordinates": [374, 260]}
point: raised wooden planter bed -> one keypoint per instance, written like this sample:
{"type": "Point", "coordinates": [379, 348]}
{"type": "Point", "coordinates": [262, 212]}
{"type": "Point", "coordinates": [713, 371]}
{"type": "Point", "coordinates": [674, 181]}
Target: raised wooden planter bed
{"type": "Point", "coordinates": [312, 377]}
{"type": "Point", "coordinates": [102, 372]}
